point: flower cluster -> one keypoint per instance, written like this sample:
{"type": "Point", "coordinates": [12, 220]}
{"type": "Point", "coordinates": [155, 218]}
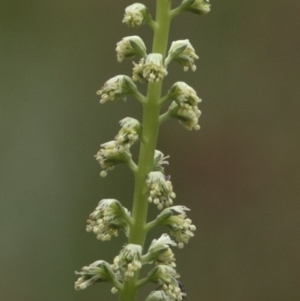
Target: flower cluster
{"type": "Point", "coordinates": [108, 219]}
{"type": "Point", "coordinates": [128, 261]}
{"type": "Point", "coordinates": [161, 190]}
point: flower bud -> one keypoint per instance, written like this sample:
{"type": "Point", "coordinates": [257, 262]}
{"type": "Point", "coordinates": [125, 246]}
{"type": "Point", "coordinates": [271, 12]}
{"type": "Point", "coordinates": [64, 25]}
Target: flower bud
{"type": "Point", "coordinates": [116, 88]}
{"type": "Point", "coordinates": [199, 7]}
{"type": "Point", "coordinates": [136, 15]}
{"type": "Point", "coordinates": [130, 47]}
{"type": "Point", "coordinates": [184, 53]}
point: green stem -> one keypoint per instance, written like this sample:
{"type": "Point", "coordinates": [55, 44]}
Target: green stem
{"type": "Point", "coordinates": [151, 112]}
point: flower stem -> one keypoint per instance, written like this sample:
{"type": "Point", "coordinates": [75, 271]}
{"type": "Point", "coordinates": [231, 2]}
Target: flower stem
{"type": "Point", "coordinates": [151, 111]}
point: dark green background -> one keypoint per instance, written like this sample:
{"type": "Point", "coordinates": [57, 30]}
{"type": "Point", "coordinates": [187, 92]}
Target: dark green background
{"type": "Point", "coordinates": [239, 174]}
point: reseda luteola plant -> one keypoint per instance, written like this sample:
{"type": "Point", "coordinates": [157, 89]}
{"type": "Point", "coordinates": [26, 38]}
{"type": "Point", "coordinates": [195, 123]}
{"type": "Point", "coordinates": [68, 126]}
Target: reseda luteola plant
{"type": "Point", "coordinates": [151, 184]}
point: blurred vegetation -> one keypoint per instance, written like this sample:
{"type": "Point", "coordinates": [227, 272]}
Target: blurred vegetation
{"type": "Point", "coordinates": [239, 174]}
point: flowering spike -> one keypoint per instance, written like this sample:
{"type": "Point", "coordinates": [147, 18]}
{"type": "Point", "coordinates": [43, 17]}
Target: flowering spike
{"type": "Point", "coordinates": [129, 47]}
{"type": "Point", "coordinates": [108, 219]}
{"type": "Point", "coordinates": [161, 190]}
{"type": "Point", "coordinates": [184, 53]}
{"type": "Point", "coordinates": [151, 183]}
{"type": "Point", "coordinates": [136, 15]}
{"type": "Point", "coordinates": [116, 88]}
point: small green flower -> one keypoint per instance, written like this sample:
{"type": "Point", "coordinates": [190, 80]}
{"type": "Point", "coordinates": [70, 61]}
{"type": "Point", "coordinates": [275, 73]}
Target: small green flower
{"type": "Point", "coordinates": [184, 53]}
{"type": "Point", "coordinates": [99, 271]}
{"type": "Point", "coordinates": [129, 132]}
{"type": "Point", "coordinates": [160, 252]}
{"type": "Point", "coordinates": [158, 295]}
{"type": "Point", "coordinates": [130, 47]}
{"type": "Point", "coordinates": [136, 15]}
{"type": "Point", "coordinates": [108, 219]}
{"type": "Point", "coordinates": [117, 88]}
{"type": "Point", "coordinates": [161, 190]}
{"type": "Point", "coordinates": [181, 227]}
{"type": "Point", "coordinates": [129, 260]}
{"type": "Point", "coordinates": [166, 276]}
{"type": "Point", "coordinates": [188, 116]}
{"type": "Point", "coordinates": [151, 69]}
{"type": "Point", "coordinates": [111, 154]}
{"type": "Point", "coordinates": [199, 7]}
{"type": "Point", "coordinates": [184, 95]}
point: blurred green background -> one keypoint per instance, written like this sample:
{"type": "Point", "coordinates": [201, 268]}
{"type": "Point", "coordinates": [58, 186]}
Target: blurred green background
{"type": "Point", "coordinates": [239, 174]}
